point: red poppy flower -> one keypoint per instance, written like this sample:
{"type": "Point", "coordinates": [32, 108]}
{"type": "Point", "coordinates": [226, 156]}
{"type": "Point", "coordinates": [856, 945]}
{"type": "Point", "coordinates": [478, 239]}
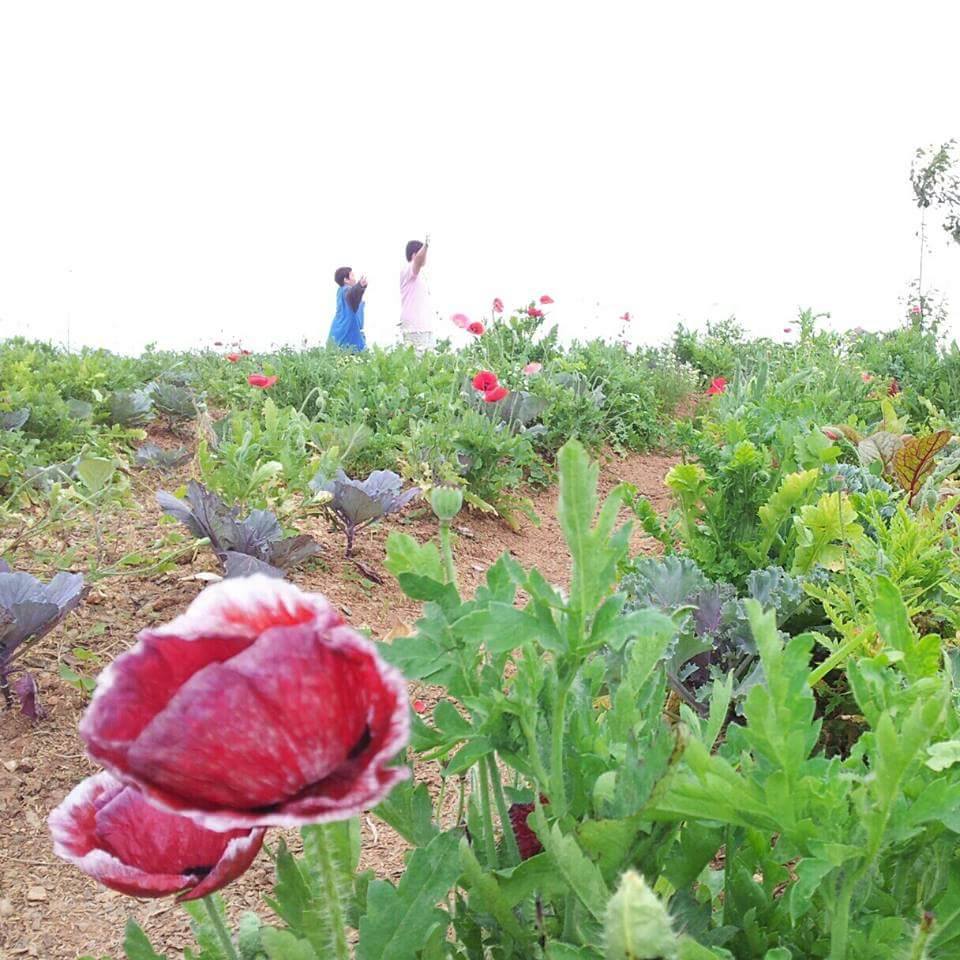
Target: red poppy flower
{"type": "Point", "coordinates": [894, 387]}
{"type": "Point", "coordinates": [717, 385]}
{"type": "Point", "coordinates": [257, 707]}
{"type": "Point", "coordinates": [233, 357]}
{"type": "Point", "coordinates": [497, 305]}
{"type": "Point", "coordinates": [419, 706]}
{"type": "Point", "coordinates": [497, 393]}
{"type": "Point", "coordinates": [485, 380]}
{"type": "Point", "coordinates": [626, 317]}
{"type": "Point", "coordinates": [476, 328]}
{"type": "Point", "coordinates": [532, 368]}
{"type": "Point", "coordinates": [527, 841]}
{"type": "Point", "coordinates": [546, 298]}
{"type": "Point", "coordinates": [535, 312]}
{"type": "Point", "coordinates": [259, 380]}
{"type": "Point", "coordinates": [114, 835]}
{"type": "Point", "coordinates": [460, 320]}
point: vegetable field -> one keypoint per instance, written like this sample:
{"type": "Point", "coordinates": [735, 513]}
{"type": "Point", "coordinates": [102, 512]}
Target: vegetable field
{"type": "Point", "coordinates": [516, 651]}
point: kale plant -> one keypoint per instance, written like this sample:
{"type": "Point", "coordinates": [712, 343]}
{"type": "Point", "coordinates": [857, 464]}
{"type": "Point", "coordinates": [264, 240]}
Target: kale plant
{"type": "Point", "coordinates": [173, 401]}
{"type": "Point", "coordinates": [357, 503]}
{"type": "Point", "coordinates": [150, 455]}
{"type": "Point", "coordinates": [238, 543]}
{"type": "Point", "coordinates": [714, 638]}
{"type": "Point", "coordinates": [29, 610]}
{"type": "Point", "coordinates": [14, 419]}
{"type": "Point", "coordinates": [130, 408]}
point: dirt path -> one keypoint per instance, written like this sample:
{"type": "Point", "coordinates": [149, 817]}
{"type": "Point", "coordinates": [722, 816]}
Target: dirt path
{"type": "Point", "coordinates": [50, 910]}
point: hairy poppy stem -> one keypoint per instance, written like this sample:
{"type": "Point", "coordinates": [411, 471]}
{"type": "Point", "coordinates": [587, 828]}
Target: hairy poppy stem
{"type": "Point", "coordinates": [229, 950]}
{"type": "Point", "coordinates": [510, 841]}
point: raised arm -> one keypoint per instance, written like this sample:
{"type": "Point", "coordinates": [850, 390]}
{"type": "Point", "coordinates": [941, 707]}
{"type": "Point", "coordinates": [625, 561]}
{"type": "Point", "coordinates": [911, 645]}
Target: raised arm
{"type": "Point", "coordinates": [355, 294]}
{"type": "Point", "coordinates": [420, 258]}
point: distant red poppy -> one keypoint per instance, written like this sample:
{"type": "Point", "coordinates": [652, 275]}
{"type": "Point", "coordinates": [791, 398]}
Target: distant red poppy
{"type": "Point", "coordinates": [497, 305]}
{"type": "Point", "coordinates": [894, 387]}
{"type": "Point", "coordinates": [233, 357]}
{"type": "Point", "coordinates": [419, 706]}
{"type": "Point", "coordinates": [528, 843]}
{"type": "Point", "coordinates": [476, 328]}
{"type": "Point", "coordinates": [259, 380]}
{"type": "Point", "coordinates": [534, 312]}
{"type": "Point", "coordinates": [626, 317]}
{"type": "Point", "coordinates": [717, 385]}
{"type": "Point", "coordinates": [485, 380]}
{"type": "Point", "coordinates": [532, 368]}
{"type": "Point", "coordinates": [546, 298]}
{"type": "Point", "coordinates": [460, 320]}
{"type": "Point", "coordinates": [497, 393]}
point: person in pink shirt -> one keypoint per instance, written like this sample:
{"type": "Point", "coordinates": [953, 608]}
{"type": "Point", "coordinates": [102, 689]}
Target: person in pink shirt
{"type": "Point", "coordinates": [415, 316]}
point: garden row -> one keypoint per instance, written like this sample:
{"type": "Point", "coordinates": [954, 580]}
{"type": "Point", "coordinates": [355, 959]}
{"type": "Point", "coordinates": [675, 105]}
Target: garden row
{"type": "Point", "coordinates": [746, 747]}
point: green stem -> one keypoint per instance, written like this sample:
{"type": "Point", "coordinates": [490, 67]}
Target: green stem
{"type": "Point", "coordinates": [841, 920]}
{"type": "Point", "coordinates": [539, 771]}
{"type": "Point", "coordinates": [834, 660]}
{"type": "Point", "coordinates": [229, 950]}
{"type": "Point", "coordinates": [557, 788]}
{"type": "Point", "coordinates": [510, 841]}
{"type": "Point", "coordinates": [328, 881]}
{"type": "Point", "coordinates": [446, 551]}
{"type": "Point", "coordinates": [489, 839]}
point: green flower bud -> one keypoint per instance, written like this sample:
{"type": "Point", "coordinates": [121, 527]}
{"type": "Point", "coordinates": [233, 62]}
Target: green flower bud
{"type": "Point", "coordinates": [637, 924]}
{"type": "Point", "coordinates": [446, 502]}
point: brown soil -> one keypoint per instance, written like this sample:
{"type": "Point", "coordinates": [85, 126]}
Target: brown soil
{"type": "Point", "coordinates": [48, 909]}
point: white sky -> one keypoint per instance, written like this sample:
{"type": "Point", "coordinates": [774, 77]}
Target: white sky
{"type": "Point", "coordinates": [183, 172]}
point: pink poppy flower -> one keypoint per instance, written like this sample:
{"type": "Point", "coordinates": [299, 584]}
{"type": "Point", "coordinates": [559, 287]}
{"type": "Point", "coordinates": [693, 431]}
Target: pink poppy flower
{"type": "Point", "coordinates": [497, 393]}
{"type": "Point", "coordinates": [111, 833]}
{"type": "Point", "coordinates": [626, 317]}
{"type": "Point", "coordinates": [534, 312]}
{"type": "Point", "coordinates": [233, 357]}
{"type": "Point", "coordinates": [476, 328]}
{"type": "Point", "coordinates": [717, 386]}
{"type": "Point", "coordinates": [259, 380]}
{"type": "Point", "coordinates": [257, 707]}
{"type": "Point", "coordinates": [532, 368]}
{"type": "Point", "coordinates": [460, 320]}
{"type": "Point", "coordinates": [546, 298]}
{"type": "Point", "coordinates": [485, 380]}
{"type": "Point", "coordinates": [497, 305]}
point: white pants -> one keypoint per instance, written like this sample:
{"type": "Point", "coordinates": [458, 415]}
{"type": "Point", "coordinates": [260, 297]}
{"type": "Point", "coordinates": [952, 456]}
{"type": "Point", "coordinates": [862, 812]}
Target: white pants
{"type": "Point", "coordinates": [420, 340]}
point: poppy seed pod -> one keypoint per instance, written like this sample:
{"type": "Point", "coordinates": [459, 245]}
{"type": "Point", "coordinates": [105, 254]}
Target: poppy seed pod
{"type": "Point", "coordinates": [446, 502]}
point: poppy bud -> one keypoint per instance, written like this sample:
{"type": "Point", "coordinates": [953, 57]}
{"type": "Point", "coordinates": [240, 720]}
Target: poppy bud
{"type": "Point", "coordinates": [637, 924]}
{"type": "Point", "coordinates": [446, 502]}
